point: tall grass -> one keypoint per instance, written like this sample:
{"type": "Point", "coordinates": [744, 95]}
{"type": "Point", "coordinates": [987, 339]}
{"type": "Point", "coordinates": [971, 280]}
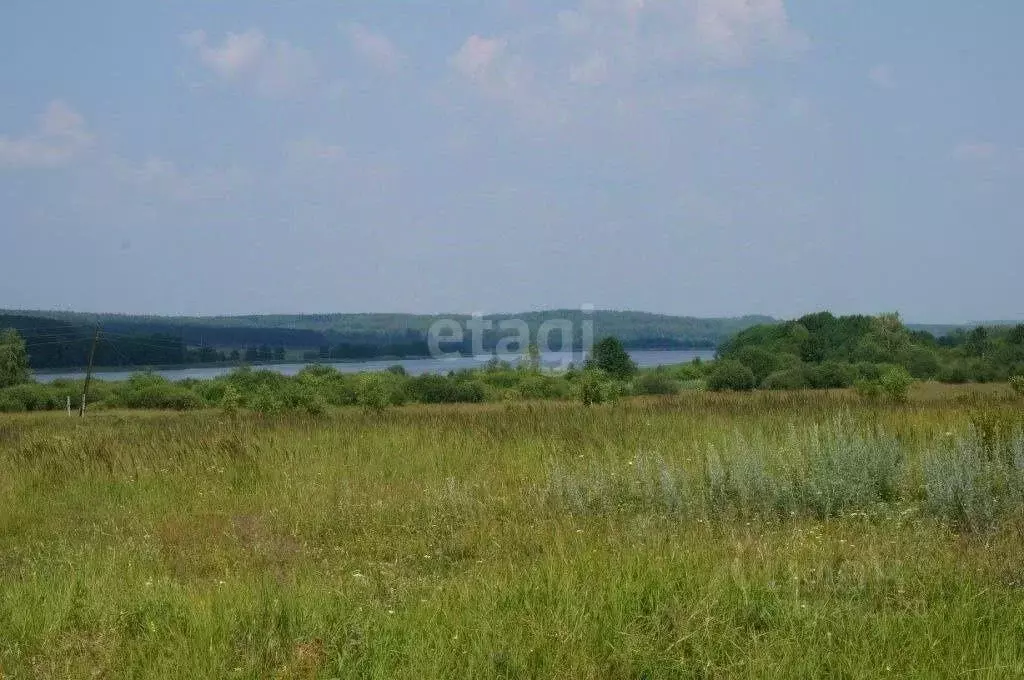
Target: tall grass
{"type": "Point", "coordinates": [690, 536]}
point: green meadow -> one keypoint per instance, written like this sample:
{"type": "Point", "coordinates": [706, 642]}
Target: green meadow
{"type": "Point", "coordinates": [701, 535]}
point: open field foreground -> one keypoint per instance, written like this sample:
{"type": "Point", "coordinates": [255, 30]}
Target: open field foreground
{"type": "Point", "coordinates": [699, 536]}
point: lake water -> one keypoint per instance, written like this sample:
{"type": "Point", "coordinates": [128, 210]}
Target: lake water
{"type": "Point", "coordinates": [554, 360]}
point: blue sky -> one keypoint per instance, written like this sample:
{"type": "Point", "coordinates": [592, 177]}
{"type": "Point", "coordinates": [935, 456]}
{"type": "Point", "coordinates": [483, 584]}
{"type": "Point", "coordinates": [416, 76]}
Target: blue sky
{"type": "Point", "coordinates": [702, 157]}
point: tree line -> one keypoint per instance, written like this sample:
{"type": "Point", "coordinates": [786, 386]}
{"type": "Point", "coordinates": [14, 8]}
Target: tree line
{"type": "Point", "coordinates": [63, 339]}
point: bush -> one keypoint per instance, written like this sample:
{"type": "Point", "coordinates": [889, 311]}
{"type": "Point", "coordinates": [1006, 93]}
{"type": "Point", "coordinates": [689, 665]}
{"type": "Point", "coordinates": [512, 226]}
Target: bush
{"type": "Point", "coordinates": [729, 374]}
{"type": "Point", "coordinates": [297, 396]}
{"type": "Point", "coordinates": [789, 379]}
{"type": "Point", "coordinates": [151, 391]}
{"type": "Point", "coordinates": [32, 397]}
{"type": "Point", "coordinates": [968, 487]}
{"type": "Point", "coordinates": [656, 382]}
{"type": "Point", "coordinates": [759, 360]}
{"type": "Point", "coordinates": [595, 387]}
{"type": "Point", "coordinates": [921, 363]}
{"type": "Point", "coordinates": [265, 401]}
{"type": "Point", "coordinates": [438, 389]}
{"type": "Point", "coordinates": [372, 392]}
{"type": "Point", "coordinates": [983, 371]}
{"type": "Point", "coordinates": [870, 390]}
{"type": "Point", "coordinates": [338, 389]}
{"type": "Point", "coordinates": [10, 403]}
{"type": "Point", "coordinates": [1017, 383]}
{"type": "Point", "coordinates": [830, 374]}
{"type": "Point", "coordinates": [955, 373]}
{"type": "Point", "coordinates": [865, 370]}
{"type": "Point", "coordinates": [211, 391]}
{"type": "Point", "coordinates": [230, 400]}
{"type": "Point", "coordinates": [160, 397]}
{"type": "Point", "coordinates": [540, 386]}
{"type": "Point", "coordinates": [695, 370]}
{"type": "Point", "coordinates": [896, 382]}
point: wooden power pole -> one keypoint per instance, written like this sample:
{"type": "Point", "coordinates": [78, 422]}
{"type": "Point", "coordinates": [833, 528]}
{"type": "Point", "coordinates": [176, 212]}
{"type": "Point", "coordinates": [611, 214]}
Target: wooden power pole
{"type": "Point", "coordinates": [88, 371]}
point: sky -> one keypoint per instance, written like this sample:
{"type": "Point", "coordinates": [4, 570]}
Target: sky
{"type": "Point", "coordinates": [695, 157]}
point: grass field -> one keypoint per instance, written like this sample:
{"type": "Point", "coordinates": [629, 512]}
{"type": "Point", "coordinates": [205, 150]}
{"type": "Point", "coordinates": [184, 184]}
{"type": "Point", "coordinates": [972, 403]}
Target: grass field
{"type": "Point", "coordinates": [700, 536]}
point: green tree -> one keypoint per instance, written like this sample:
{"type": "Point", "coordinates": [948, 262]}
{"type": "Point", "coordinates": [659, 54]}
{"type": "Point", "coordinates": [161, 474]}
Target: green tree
{"type": "Point", "coordinates": [978, 342]}
{"type": "Point", "coordinates": [759, 360]}
{"type": "Point", "coordinates": [611, 357]}
{"type": "Point", "coordinates": [13, 359]}
{"type": "Point", "coordinates": [896, 383]}
{"type": "Point", "coordinates": [372, 392]}
{"type": "Point", "coordinates": [729, 374]}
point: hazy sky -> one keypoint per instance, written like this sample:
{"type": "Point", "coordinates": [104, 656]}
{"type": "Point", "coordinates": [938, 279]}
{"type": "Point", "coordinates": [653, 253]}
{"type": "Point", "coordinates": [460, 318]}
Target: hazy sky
{"type": "Point", "coordinates": [702, 157]}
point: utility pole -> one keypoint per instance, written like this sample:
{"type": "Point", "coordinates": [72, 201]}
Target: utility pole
{"type": "Point", "coordinates": [88, 371]}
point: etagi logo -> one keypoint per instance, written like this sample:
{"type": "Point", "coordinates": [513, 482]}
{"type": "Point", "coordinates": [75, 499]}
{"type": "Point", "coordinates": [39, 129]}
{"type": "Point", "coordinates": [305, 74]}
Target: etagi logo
{"type": "Point", "coordinates": [508, 339]}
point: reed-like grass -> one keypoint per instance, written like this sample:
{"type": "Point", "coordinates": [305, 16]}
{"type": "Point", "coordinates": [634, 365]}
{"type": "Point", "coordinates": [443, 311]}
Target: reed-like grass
{"type": "Point", "coordinates": [802, 535]}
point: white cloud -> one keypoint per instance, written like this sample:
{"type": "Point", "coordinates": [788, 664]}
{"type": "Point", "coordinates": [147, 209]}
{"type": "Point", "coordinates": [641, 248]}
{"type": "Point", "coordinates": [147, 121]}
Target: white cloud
{"type": "Point", "coordinates": [273, 68]}
{"type": "Point", "coordinates": [375, 48]}
{"type": "Point", "coordinates": [624, 46]}
{"type": "Point", "coordinates": [975, 151]}
{"type": "Point", "coordinates": [733, 32]}
{"type": "Point", "coordinates": [61, 136]}
{"type": "Point", "coordinates": [882, 76]}
{"type": "Point", "coordinates": [477, 57]}
{"type": "Point", "coordinates": [501, 75]}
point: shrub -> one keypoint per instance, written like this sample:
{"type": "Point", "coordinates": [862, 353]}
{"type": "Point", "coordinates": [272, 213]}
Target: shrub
{"type": "Point", "coordinates": [969, 488]}
{"type": "Point", "coordinates": [297, 396]}
{"type": "Point", "coordinates": [438, 389]}
{"type": "Point", "coordinates": [540, 386]}
{"type": "Point", "coordinates": [870, 390]}
{"type": "Point", "coordinates": [10, 403]}
{"type": "Point", "coordinates": [865, 370]}
{"type": "Point", "coordinates": [729, 374]}
{"type": "Point", "coordinates": [830, 374]}
{"type": "Point", "coordinates": [955, 373]}
{"type": "Point", "coordinates": [759, 360]}
{"type": "Point", "coordinates": [151, 391]}
{"type": "Point", "coordinates": [983, 371]}
{"type": "Point", "coordinates": [823, 471]}
{"type": "Point", "coordinates": [1017, 383]}
{"type": "Point", "coordinates": [230, 400]}
{"type": "Point", "coordinates": [594, 387]}
{"type": "Point", "coordinates": [33, 397]}
{"type": "Point", "coordinates": [656, 383]}
{"type": "Point", "coordinates": [921, 363]}
{"type": "Point", "coordinates": [695, 370]}
{"type": "Point", "coordinates": [895, 383]}
{"type": "Point", "coordinates": [211, 391]}
{"type": "Point", "coordinates": [372, 392]}
{"type": "Point", "coordinates": [789, 379]}
{"type": "Point", "coordinates": [265, 401]}
{"type": "Point", "coordinates": [339, 390]}
{"type": "Point", "coordinates": [159, 397]}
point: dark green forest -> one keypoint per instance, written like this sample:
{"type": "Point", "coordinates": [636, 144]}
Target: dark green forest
{"type": "Point", "coordinates": [63, 339]}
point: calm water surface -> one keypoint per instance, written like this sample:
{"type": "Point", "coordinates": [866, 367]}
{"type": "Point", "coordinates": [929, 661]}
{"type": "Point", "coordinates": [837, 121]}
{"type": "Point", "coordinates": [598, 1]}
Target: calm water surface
{"type": "Point", "coordinates": [644, 359]}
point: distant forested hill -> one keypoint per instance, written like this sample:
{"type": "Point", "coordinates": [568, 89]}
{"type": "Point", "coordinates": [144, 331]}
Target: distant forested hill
{"type": "Point", "coordinates": [61, 339]}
